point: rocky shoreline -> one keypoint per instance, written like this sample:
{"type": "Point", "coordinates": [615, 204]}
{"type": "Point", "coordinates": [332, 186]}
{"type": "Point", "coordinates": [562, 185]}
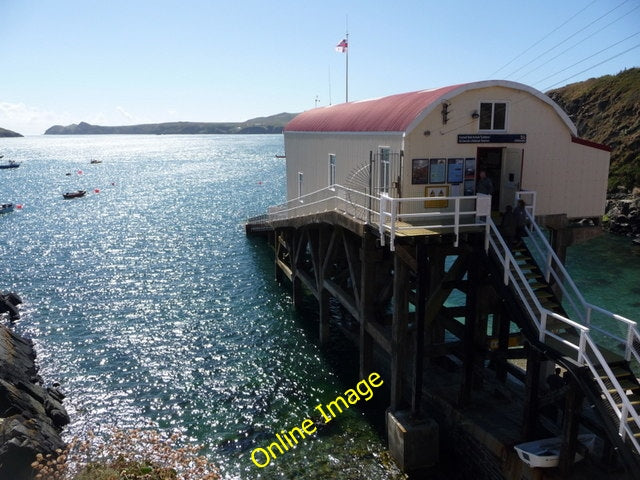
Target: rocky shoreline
{"type": "Point", "coordinates": [622, 214]}
{"type": "Point", "coordinates": [31, 415]}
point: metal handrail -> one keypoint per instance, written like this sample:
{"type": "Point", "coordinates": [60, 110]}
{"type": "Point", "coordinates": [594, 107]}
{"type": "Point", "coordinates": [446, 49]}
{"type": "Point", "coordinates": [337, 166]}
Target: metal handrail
{"type": "Point", "coordinates": [555, 269]}
{"type": "Point", "coordinates": [585, 343]}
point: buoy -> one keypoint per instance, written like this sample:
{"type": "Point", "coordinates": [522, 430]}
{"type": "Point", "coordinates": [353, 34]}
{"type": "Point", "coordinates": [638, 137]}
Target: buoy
{"type": "Point", "coordinates": [19, 207]}
{"type": "Point", "coordinates": [260, 182]}
{"type": "Point", "coordinates": [97, 190]}
{"type": "Point", "coordinates": [80, 172]}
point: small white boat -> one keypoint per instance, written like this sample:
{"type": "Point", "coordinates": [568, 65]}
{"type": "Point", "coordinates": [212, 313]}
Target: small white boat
{"type": "Point", "coordinates": [545, 453]}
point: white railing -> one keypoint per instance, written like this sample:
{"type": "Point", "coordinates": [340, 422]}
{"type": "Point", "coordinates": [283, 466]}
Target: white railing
{"type": "Point", "coordinates": [468, 212]}
{"type": "Point", "coordinates": [387, 212]}
{"type": "Point", "coordinates": [574, 303]}
{"type": "Point", "coordinates": [587, 351]}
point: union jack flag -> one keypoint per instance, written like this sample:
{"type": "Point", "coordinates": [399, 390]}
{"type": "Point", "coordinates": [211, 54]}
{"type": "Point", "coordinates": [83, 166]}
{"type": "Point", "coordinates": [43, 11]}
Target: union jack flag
{"type": "Point", "coordinates": [342, 46]}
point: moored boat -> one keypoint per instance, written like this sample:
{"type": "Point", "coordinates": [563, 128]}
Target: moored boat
{"type": "Point", "coordinates": [545, 453]}
{"type": "Point", "coordinates": [76, 194]}
{"type": "Point", "coordinates": [10, 164]}
{"type": "Point", "coordinates": [94, 161]}
{"type": "Point", "coordinates": [6, 207]}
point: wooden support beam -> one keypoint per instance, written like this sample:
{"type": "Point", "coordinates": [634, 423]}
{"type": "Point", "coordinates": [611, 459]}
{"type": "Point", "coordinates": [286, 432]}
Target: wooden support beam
{"type": "Point", "coordinates": [468, 340]}
{"type": "Point", "coordinates": [398, 330]}
{"type": "Point", "coordinates": [343, 297]}
{"type": "Point", "coordinates": [309, 282]}
{"type": "Point", "coordinates": [421, 294]}
{"type": "Point", "coordinates": [532, 388]}
{"type": "Point", "coordinates": [369, 258]}
{"type": "Point", "coordinates": [570, 424]}
{"type": "Point", "coordinates": [379, 337]}
{"type": "Point", "coordinates": [352, 260]}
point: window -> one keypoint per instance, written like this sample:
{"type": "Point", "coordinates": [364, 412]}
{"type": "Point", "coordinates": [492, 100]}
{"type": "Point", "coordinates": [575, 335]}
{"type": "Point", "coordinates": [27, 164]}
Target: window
{"type": "Point", "coordinates": [332, 169]}
{"type": "Point", "coordinates": [300, 184]}
{"type": "Point", "coordinates": [385, 169]}
{"type": "Point", "coordinates": [493, 116]}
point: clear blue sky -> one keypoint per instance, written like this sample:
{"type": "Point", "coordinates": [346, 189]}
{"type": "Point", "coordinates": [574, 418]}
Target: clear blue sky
{"type": "Point", "coordinates": [114, 62]}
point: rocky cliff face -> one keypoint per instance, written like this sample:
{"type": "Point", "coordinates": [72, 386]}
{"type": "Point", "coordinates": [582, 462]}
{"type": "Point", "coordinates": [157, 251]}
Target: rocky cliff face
{"type": "Point", "coordinates": [622, 214]}
{"type": "Point", "coordinates": [607, 110]}
{"type": "Point", "coordinates": [31, 415]}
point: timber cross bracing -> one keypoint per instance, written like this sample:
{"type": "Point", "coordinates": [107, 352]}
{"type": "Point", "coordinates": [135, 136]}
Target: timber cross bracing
{"type": "Point", "coordinates": [399, 299]}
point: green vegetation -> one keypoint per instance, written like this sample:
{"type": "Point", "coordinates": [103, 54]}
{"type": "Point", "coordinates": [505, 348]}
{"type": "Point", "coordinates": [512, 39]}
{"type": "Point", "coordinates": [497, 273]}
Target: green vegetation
{"type": "Point", "coordinates": [137, 454]}
{"type": "Point", "coordinates": [607, 110]}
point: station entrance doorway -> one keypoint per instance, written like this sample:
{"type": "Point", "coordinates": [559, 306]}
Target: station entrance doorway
{"type": "Point", "coordinates": [504, 167]}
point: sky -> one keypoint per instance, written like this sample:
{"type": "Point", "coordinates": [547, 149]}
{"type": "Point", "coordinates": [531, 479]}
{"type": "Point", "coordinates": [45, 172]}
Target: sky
{"type": "Point", "coordinates": [127, 62]}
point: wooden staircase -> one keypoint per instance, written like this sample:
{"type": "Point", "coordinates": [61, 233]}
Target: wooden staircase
{"type": "Point", "coordinates": [605, 376]}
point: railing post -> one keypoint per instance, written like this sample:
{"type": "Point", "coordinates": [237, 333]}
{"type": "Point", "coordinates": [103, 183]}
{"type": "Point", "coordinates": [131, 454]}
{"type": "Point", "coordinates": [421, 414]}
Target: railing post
{"type": "Point", "coordinates": [543, 325]}
{"type": "Point", "coordinates": [394, 213]}
{"type": "Point", "coordinates": [456, 221]}
{"type": "Point", "coordinates": [547, 273]}
{"type": "Point", "coordinates": [507, 266]}
{"type": "Point", "coordinates": [627, 350]}
{"type": "Point", "coordinates": [487, 236]}
{"type": "Point", "coordinates": [623, 420]}
{"type": "Point", "coordinates": [588, 316]}
{"type": "Point", "coordinates": [383, 208]}
{"type": "Point", "coordinates": [582, 345]}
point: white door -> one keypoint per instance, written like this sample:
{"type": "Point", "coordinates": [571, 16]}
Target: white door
{"type": "Point", "coordinates": [510, 177]}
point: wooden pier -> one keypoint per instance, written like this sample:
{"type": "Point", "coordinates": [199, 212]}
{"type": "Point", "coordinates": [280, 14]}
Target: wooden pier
{"type": "Point", "coordinates": [446, 314]}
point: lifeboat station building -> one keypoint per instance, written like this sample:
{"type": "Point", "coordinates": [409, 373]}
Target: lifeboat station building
{"type": "Point", "coordinates": [436, 142]}
{"type": "Point", "coordinates": [393, 212]}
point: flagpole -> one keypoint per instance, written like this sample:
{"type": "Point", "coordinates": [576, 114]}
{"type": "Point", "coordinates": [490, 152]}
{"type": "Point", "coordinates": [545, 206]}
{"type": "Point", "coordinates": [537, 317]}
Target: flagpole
{"type": "Point", "coordinates": [346, 81]}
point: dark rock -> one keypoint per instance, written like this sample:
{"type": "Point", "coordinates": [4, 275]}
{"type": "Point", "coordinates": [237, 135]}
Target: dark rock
{"type": "Point", "coordinates": [31, 416]}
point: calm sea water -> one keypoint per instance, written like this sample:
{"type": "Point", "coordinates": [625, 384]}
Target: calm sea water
{"type": "Point", "coordinates": [147, 302]}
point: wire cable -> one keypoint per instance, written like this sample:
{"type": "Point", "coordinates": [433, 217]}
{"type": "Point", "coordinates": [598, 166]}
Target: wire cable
{"type": "Point", "coordinates": [587, 58]}
{"type": "Point", "coordinates": [593, 66]}
{"type": "Point", "coordinates": [543, 38]}
{"type": "Point", "coordinates": [579, 42]}
{"type": "Point", "coordinates": [566, 39]}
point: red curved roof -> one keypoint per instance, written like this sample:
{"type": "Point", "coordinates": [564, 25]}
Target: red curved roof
{"type": "Point", "coordinates": [387, 114]}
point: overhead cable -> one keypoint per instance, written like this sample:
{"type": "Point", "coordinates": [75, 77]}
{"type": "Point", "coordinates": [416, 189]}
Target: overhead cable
{"type": "Point", "coordinates": [566, 39]}
{"type": "Point", "coordinates": [593, 66]}
{"type": "Point", "coordinates": [579, 42]}
{"type": "Point", "coordinates": [543, 38]}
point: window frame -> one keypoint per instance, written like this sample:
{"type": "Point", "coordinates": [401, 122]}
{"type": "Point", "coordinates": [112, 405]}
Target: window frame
{"type": "Point", "coordinates": [332, 170]}
{"type": "Point", "coordinates": [493, 104]}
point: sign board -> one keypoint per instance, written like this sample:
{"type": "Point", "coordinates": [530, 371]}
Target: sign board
{"type": "Point", "coordinates": [433, 192]}
{"type": "Point", "coordinates": [492, 138]}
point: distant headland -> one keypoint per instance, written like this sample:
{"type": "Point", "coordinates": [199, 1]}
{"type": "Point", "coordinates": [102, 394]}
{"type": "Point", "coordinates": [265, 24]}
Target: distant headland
{"type": "Point", "coordinates": [8, 133]}
{"type": "Point", "coordinates": [271, 124]}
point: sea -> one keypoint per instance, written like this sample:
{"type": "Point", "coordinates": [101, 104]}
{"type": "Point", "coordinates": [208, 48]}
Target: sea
{"type": "Point", "coordinates": [148, 303]}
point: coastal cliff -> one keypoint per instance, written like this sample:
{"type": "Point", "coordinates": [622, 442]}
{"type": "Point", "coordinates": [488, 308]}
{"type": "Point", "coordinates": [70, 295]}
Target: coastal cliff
{"type": "Point", "coordinates": [271, 124]}
{"type": "Point", "coordinates": [8, 133]}
{"type": "Point", "coordinates": [31, 415]}
{"type": "Point", "coordinates": [607, 110]}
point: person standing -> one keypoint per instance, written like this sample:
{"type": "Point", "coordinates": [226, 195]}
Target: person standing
{"type": "Point", "coordinates": [485, 185]}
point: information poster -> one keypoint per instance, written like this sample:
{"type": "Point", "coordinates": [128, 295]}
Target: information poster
{"type": "Point", "coordinates": [437, 170]}
{"type": "Point", "coordinates": [419, 171]}
{"type": "Point", "coordinates": [469, 176]}
{"type": "Point", "coordinates": [455, 169]}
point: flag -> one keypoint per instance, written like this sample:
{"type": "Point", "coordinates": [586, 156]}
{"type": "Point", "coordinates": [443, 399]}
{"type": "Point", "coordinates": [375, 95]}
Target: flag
{"type": "Point", "coordinates": [342, 46]}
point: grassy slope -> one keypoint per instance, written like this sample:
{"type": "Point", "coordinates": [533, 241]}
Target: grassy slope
{"type": "Point", "coordinates": [607, 110]}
